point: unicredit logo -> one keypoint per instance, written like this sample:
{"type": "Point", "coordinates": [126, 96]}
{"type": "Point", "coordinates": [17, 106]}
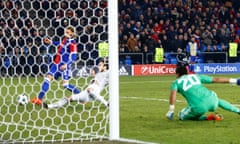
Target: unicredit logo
{"type": "Point", "coordinates": [157, 70]}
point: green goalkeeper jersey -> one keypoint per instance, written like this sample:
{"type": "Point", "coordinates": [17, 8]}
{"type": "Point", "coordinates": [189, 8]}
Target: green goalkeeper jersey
{"type": "Point", "coordinates": [190, 86]}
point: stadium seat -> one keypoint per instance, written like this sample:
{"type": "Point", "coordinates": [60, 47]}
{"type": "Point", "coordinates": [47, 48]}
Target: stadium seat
{"type": "Point", "coordinates": [173, 61]}
{"type": "Point", "coordinates": [200, 60]}
{"type": "Point", "coordinates": [204, 48]}
{"type": "Point", "coordinates": [219, 47]}
{"type": "Point", "coordinates": [167, 55]}
{"type": "Point", "coordinates": [167, 61]}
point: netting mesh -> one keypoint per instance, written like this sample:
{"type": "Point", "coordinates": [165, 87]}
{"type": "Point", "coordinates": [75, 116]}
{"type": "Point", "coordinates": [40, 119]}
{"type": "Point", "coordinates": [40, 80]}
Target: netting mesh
{"type": "Point", "coordinates": [25, 60]}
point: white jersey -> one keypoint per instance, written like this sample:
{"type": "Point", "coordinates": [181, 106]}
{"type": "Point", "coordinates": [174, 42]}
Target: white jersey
{"type": "Point", "coordinates": [102, 79]}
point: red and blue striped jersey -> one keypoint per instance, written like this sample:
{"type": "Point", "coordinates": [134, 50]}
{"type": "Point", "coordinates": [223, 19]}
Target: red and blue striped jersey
{"type": "Point", "coordinates": [67, 51]}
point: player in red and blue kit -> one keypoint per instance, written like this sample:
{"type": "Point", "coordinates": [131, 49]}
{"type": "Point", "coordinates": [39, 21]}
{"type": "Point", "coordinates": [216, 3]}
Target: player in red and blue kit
{"type": "Point", "coordinates": [66, 55]}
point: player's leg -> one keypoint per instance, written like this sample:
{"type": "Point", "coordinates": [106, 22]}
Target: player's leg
{"type": "Point", "coordinates": [210, 105]}
{"type": "Point", "coordinates": [95, 95]}
{"type": "Point", "coordinates": [70, 87]}
{"type": "Point", "coordinates": [57, 104]}
{"type": "Point", "coordinates": [228, 106]}
{"type": "Point", "coordinates": [186, 114]}
{"type": "Point", "coordinates": [81, 97]}
{"type": "Point", "coordinates": [46, 84]}
{"type": "Point", "coordinates": [217, 102]}
{"type": "Point", "coordinates": [66, 77]}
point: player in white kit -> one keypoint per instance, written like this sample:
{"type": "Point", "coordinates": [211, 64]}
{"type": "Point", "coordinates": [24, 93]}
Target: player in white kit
{"type": "Point", "coordinates": [92, 92]}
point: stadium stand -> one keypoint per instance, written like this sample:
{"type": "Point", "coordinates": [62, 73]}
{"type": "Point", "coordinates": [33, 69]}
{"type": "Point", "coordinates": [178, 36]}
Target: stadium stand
{"type": "Point", "coordinates": [171, 24]}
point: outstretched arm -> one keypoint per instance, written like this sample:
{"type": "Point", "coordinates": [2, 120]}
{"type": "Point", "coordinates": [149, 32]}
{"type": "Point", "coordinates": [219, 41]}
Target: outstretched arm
{"type": "Point", "coordinates": [48, 41]}
{"type": "Point", "coordinates": [172, 97]}
{"type": "Point", "coordinates": [226, 80]}
{"type": "Point", "coordinates": [172, 100]}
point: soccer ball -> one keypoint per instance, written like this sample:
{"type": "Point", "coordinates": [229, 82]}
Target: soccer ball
{"type": "Point", "coordinates": [22, 99]}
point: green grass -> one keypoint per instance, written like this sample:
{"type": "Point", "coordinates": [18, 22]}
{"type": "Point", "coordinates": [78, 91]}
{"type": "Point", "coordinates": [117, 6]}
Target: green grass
{"type": "Point", "coordinates": [143, 105]}
{"type": "Point", "coordinates": [144, 118]}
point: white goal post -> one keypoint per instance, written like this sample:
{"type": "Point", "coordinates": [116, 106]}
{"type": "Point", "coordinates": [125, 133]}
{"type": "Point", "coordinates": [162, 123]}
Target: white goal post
{"type": "Point", "coordinates": [114, 69]}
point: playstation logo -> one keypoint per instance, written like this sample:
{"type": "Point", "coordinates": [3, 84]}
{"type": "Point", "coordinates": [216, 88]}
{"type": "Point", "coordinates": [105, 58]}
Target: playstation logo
{"type": "Point", "coordinates": [197, 69]}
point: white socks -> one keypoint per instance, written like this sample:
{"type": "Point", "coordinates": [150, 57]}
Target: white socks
{"type": "Point", "coordinates": [59, 103]}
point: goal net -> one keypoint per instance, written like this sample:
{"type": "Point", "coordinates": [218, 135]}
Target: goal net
{"type": "Point", "coordinates": [25, 60]}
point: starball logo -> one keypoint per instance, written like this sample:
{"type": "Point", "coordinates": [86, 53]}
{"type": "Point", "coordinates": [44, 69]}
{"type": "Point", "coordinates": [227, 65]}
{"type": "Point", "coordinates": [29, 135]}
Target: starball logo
{"type": "Point", "coordinates": [144, 69]}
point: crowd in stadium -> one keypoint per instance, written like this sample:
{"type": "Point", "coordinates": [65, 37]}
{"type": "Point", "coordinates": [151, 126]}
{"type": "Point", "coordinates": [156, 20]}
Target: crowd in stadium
{"type": "Point", "coordinates": [143, 26]}
{"type": "Point", "coordinates": [171, 24]}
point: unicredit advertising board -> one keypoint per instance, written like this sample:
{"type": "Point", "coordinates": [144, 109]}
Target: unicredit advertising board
{"type": "Point", "coordinates": [153, 69]}
{"type": "Point", "coordinates": [221, 68]}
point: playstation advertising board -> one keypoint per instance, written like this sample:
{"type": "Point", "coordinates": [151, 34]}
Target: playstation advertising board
{"type": "Point", "coordinates": [217, 68]}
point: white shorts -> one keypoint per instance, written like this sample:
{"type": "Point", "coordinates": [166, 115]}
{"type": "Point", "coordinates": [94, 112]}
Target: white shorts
{"type": "Point", "coordinates": [84, 96]}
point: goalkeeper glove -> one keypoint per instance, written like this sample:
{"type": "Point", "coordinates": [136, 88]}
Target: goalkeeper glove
{"type": "Point", "coordinates": [170, 113]}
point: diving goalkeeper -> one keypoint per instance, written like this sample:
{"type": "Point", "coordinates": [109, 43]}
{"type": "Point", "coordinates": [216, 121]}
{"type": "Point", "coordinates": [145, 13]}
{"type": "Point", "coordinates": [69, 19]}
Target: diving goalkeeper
{"type": "Point", "coordinates": [92, 92]}
{"type": "Point", "coordinates": [200, 100]}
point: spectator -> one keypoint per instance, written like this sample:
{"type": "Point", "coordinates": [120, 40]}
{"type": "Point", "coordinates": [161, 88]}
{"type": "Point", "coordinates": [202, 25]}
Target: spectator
{"type": "Point", "coordinates": [179, 43]}
{"type": "Point", "coordinates": [207, 37]}
{"type": "Point", "coordinates": [166, 44]}
{"type": "Point", "coordinates": [208, 55]}
{"type": "Point", "coordinates": [215, 37]}
{"type": "Point", "coordinates": [222, 37]}
{"type": "Point", "coordinates": [237, 39]}
{"type": "Point", "coordinates": [132, 44]}
{"type": "Point", "coordinates": [150, 43]}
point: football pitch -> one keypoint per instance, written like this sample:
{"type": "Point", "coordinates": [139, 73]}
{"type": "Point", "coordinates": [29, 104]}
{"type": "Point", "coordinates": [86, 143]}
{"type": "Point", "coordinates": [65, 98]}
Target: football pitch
{"type": "Point", "coordinates": [143, 105]}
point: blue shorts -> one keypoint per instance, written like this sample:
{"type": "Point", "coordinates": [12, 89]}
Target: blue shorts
{"type": "Point", "coordinates": [56, 72]}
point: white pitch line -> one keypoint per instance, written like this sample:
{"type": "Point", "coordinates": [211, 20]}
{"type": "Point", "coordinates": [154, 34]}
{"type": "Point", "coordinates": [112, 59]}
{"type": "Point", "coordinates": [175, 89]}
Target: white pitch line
{"type": "Point", "coordinates": [148, 99]}
{"type": "Point", "coordinates": [129, 82]}
{"type": "Point", "coordinates": [157, 99]}
{"type": "Point", "coordinates": [135, 141]}
{"type": "Point", "coordinates": [46, 128]}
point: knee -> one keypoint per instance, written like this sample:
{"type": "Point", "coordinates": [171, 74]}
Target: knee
{"type": "Point", "coordinates": [46, 83]}
{"type": "Point", "coordinates": [49, 77]}
{"type": "Point", "coordinates": [181, 116]}
{"type": "Point", "coordinates": [70, 99]}
{"type": "Point", "coordinates": [89, 90]}
{"type": "Point", "coordinates": [65, 85]}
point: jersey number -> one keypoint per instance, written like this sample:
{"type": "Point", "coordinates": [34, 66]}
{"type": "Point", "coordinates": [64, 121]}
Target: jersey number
{"type": "Point", "coordinates": [189, 81]}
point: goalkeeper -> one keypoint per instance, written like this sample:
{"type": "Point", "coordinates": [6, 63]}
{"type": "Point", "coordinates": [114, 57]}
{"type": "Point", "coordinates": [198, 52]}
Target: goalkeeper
{"type": "Point", "coordinates": [200, 100]}
{"type": "Point", "coordinates": [92, 92]}
{"type": "Point", "coordinates": [66, 55]}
